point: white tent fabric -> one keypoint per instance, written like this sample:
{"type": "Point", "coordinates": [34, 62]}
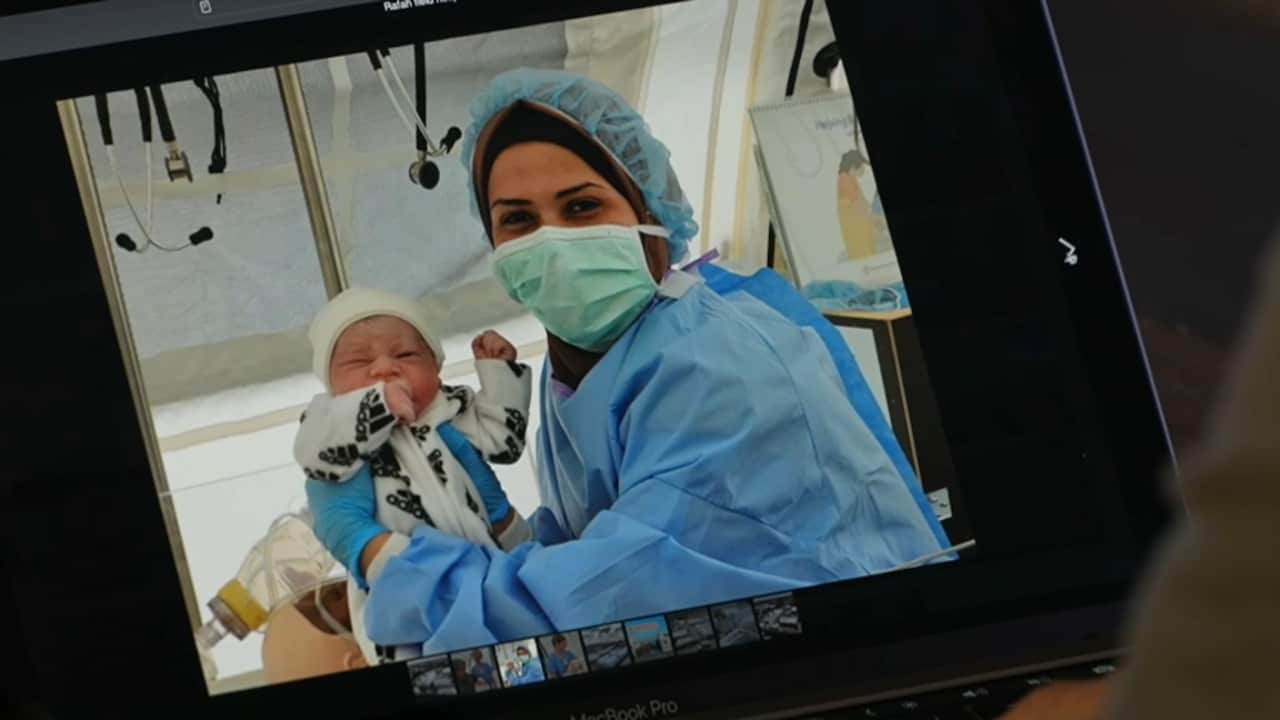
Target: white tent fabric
{"type": "Point", "coordinates": [616, 49]}
{"type": "Point", "coordinates": [232, 311]}
{"type": "Point", "coordinates": [184, 299]}
{"type": "Point", "coordinates": [681, 96]}
{"type": "Point", "coordinates": [396, 235]}
{"type": "Point", "coordinates": [777, 25]}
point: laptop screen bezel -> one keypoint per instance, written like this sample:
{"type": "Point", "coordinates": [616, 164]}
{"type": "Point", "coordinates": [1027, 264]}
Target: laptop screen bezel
{"type": "Point", "coordinates": [1069, 602]}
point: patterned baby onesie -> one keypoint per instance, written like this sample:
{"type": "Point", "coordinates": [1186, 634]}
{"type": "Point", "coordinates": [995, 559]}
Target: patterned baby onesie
{"type": "Point", "coordinates": [416, 478]}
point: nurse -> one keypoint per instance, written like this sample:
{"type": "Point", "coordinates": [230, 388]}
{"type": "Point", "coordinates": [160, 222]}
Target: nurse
{"type": "Point", "coordinates": [694, 446]}
{"type": "Point", "coordinates": [525, 670]}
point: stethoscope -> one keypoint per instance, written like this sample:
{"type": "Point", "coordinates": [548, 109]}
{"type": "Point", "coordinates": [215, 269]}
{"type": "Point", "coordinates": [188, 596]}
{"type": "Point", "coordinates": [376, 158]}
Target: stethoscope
{"type": "Point", "coordinates": [423, 171]}
{"type": "Point", "coordinates": [176, 163]}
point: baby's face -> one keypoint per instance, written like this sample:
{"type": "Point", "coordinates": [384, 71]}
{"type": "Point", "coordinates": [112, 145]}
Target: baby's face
{"type": "Point", "coordinates": [384, 349]}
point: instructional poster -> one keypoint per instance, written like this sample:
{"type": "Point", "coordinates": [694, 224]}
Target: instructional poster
{"type": "Point", "coordinates": [823, 192]}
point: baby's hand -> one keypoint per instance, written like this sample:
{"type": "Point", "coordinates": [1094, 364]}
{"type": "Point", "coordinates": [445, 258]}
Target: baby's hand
{"type": "Point", "coordinates": [400, 400]}
{"type": "Point", "coordinates": [489, 345]}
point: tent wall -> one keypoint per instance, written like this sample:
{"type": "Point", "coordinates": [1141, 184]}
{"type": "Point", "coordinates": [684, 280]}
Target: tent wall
{"type": "Point", "coordinates": [233, 311]}
{"type": "Point", "coordinates": [760, 51]}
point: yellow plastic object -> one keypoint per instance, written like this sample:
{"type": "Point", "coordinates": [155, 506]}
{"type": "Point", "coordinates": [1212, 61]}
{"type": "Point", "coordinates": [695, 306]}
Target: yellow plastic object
{"type": "Point", "coordinates": [240, 602]}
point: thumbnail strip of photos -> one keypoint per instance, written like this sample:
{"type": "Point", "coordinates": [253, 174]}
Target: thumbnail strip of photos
{"type": "Point", "coordinates": [605, 647]}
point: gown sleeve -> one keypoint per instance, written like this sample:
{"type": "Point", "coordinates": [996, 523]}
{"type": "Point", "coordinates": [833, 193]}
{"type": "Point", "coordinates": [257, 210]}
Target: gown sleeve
{"type": "Point", "coordinates": [448, 593]}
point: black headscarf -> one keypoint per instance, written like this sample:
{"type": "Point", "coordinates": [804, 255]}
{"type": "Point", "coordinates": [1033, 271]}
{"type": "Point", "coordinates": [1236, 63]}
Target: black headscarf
{"type": "Point", "coordinates": [524, 124]}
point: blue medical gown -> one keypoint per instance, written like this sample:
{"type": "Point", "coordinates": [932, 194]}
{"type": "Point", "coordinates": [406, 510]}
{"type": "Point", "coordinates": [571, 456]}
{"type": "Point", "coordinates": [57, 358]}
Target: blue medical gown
{"type": "Point", "coordinates": [558, 666]}
{"type": "Point", "coordinates": [770, 288]}
{"type": "Point", "coordinates": [711, 454]}
{"type": "Point", "coordinates": [532, 674]}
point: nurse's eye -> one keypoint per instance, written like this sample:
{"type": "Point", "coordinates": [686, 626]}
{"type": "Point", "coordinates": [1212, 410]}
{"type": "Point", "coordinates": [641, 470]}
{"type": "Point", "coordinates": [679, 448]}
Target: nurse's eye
{"type": "Point", "coordinates": [516, 218]}
{"type": "Point", "coordinates": [582, 206]}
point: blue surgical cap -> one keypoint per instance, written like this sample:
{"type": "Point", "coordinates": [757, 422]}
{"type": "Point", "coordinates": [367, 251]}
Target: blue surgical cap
{"type": "Point", "coordinates": [605, 116]}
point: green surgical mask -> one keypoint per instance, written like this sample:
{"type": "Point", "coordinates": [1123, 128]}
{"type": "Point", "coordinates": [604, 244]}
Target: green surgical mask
{"type": "Point", "coordinates": [585, 285]}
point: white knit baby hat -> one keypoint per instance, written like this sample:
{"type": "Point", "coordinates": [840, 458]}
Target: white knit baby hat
{"type": "Point", "coordinates": [353, 305]}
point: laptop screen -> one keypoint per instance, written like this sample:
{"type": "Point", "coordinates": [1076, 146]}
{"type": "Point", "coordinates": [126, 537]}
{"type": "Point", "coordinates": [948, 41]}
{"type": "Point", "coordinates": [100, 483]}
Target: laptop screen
{"type": "Point", "coordinates": [453, 358]}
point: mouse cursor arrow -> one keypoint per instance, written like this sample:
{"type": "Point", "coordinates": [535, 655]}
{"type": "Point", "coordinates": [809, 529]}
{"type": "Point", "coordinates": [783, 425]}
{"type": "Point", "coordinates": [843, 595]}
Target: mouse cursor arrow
{"type": "Point", "coordinates": [1071, 258]}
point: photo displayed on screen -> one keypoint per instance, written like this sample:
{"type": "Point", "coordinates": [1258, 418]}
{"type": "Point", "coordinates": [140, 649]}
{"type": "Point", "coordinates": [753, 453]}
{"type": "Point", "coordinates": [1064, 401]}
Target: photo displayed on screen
{"type": "Point", "coordinates": [520, 663]}
{"type": "Point", "coordinates": [606, 647]}
{"type": "Point", "coordinates": [650, 639]}
{"type": "Point", "coordinates": [777, 616]}
{"type": "Point", "coordinates": [735, 623]}
{"type": "Point", "coordinates": [563, 655]}
{"type": "Point", "coordinates": [432, 677]}
{"type": "Point", "coordinates": [692, 632]}
{"type": "Point", "coordinates": [475, 671]}
{"type": "Point", "coordinates": [526, 372]}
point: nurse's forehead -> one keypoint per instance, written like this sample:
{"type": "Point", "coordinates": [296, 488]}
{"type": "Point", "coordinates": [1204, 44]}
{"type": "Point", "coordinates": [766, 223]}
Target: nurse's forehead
{"type": "Point", "coordinates": [538, 168]}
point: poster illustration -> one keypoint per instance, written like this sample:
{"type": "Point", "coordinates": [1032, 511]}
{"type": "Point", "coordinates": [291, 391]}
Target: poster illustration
{"type": "Point", "coordinates": [823, 193]}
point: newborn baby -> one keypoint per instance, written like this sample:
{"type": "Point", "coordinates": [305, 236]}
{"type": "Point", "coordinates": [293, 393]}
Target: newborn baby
{"type": "Point", "coordinates": [387, 408]}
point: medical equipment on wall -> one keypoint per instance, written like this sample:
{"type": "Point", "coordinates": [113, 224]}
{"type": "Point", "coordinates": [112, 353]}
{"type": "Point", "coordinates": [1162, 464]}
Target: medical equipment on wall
{"type": "Point", "coordinates": [175, 162]}
{"type": "Point", "coordinates": [279, 569]}
{"type": "Point", "coordinates": [422, 171]}
{"type": "Point", "coordinates": [828, 65]}
{"type": "Point", "coordinates": [218, 156]}
{"type": "Point", "coordinates": [176, 166]}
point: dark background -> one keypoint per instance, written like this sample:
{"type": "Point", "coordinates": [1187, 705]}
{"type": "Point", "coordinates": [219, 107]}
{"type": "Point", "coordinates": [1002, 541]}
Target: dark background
{"type": "Point", "coordinates": [17, 7]}
{"type": "Point", "coordinates": [1180, 109]}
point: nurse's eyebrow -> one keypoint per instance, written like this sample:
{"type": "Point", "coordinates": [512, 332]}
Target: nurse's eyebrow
{"type": "Point", "coordinates": [509, 201]}
{"type": "Point", "coordinates": [562, 193]}
{"type": "Point", "coordinates": [577, 188]}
